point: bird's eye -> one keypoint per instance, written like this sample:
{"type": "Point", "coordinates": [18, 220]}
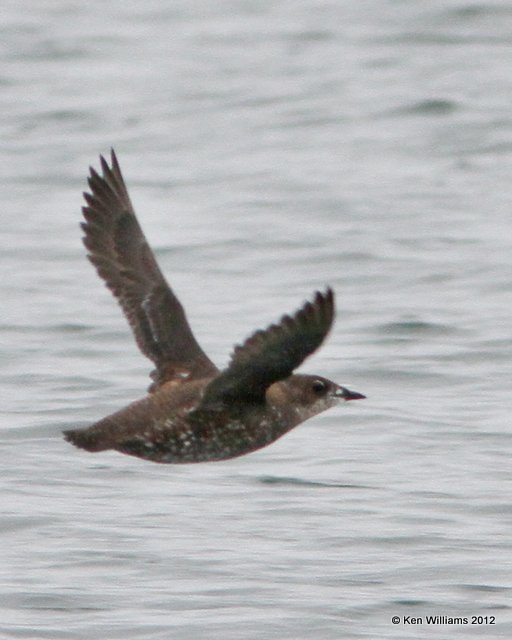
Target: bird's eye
{"type": "Point", "coordinates": [319, 387]}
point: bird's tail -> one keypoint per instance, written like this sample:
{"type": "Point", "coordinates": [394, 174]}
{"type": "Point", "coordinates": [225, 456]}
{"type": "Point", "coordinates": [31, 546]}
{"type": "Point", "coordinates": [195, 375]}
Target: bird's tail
{"type": "Point", "coordinates": [89, 439]}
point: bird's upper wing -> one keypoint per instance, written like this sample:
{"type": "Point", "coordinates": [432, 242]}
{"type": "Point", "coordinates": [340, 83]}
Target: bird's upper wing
{"type": "Point", "coordinates": [119, 251]}
{"type": "Point", "coordinates": [272, 354]}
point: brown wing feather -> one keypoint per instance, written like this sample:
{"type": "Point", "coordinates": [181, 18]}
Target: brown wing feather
{"type": "Point", "coordinates": [271, 355]}
{"type": "Point", "coordinates": [119, 251]}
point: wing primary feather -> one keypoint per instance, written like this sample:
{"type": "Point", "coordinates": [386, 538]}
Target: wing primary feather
{"type": "Point", "coordinates": [118, 249]}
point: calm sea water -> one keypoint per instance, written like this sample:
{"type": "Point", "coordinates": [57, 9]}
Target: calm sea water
{"type": "Point", "coordinates": [270, 148]}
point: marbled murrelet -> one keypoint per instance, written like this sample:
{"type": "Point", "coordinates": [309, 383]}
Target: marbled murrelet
{"type": "Point", "coordinates": [194, 412]}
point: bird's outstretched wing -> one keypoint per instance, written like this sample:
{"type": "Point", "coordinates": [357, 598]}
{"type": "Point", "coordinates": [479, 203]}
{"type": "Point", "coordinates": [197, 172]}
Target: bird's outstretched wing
{"type": "Point", "coordinates": [272, 354]}
{"type": "Point", "coordinates": [119, 251]}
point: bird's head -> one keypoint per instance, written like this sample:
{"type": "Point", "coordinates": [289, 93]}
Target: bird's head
{"type": "Point", "coordinates": [309, 395]}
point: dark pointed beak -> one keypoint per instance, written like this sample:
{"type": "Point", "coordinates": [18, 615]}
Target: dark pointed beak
{"type": "Point", "coordinates": [346, 394]}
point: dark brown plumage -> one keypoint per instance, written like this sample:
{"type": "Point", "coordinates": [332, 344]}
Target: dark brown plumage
{"type": "Point", "coordinates": [193, 412]}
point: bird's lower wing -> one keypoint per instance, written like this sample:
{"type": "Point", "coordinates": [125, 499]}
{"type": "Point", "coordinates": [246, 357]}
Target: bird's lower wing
{"type": "Point", "coordinates": [271, 355]}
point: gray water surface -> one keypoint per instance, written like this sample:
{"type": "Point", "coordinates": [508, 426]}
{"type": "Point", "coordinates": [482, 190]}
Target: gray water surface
{"type": "Point", "coordinates": [270, 148]}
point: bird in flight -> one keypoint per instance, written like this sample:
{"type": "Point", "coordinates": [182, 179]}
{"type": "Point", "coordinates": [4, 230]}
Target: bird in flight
{"type": "Point", "coordinates": [194, 412]}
